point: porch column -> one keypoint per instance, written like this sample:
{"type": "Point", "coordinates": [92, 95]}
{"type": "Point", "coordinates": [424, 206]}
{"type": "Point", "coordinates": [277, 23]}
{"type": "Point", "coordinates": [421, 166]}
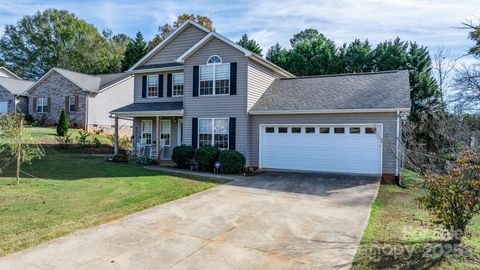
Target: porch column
{"type": "Point", "coordinates": [157, 130]}
{"type": "Point", "coordinates": [115, 137]}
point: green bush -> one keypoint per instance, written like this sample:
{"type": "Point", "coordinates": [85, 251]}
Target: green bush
{"type": "Point", "coordinates": [231, 162]}
{"type": "Point", "coordinates": [206, 157]}
{"type": "Point", "coordinates": [29, 119]}
{"type": "Point", "coordinates": [182, 155]}
{"type": "Point", "coordinates": [140, 160]}
{"type": "Point", "coordinates": [120, 158]}
{"type": "Point", "coordinates": [62, 126]}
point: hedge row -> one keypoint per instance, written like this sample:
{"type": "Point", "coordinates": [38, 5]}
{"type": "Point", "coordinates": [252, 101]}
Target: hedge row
{"type": "Point", "coordinates": [231, 162]}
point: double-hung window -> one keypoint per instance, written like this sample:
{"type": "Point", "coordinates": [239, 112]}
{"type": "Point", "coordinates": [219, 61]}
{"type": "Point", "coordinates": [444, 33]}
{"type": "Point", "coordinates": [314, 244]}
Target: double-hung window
{"type": "Point", "coordinates": [215, 77]}
{"type": "Point", "coordinates": [42, 105]}
{"type": "Point", "coordinates": [213, 132]}
{"type": "Point", "coordinates": [152, 86]}
{"type": "Point", "coordinates": [71, 104]}
{"type": "Point", "coordinates": [147, 131]}
{"type": "Point", "coordinates": [177, 84]}
{"type": "Point", "coordinates": [165, 131]}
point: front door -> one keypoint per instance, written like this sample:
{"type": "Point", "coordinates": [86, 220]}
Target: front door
{"type": "Point", "coordinates": [180, 132]}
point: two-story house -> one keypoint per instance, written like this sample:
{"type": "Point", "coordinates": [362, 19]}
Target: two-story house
{"type": "Point", "coordinates": [199, 88]}
{"type": "Point", "coordinates": [12, 92]}
{"type": "Point", "coordinates": [87, 99]}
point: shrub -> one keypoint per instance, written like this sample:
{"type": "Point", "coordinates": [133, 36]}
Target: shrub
{"type": "Point", "coordinates": [65, 140]}
{"type": "Point", "coordinates": [451, 199]}
{"type": "Point", "coordinates": [62, 126]}
{"type": "Point", "coordinates": [83, 138]}
{"type": "Point", "coordinates": [140, 160]}
{"type": "Point", "coordinates": [120, 158]}
{"type": "Point", "coordinates": [231, 162]}
{"type": "Point", "coordinates": [182, 155]}
{"type": "Point", "coordinates": [206, 157]}
{"type": "Point", "coordinates": [97, 142]}
{"type": "Point", "coordinates": [29, 119]}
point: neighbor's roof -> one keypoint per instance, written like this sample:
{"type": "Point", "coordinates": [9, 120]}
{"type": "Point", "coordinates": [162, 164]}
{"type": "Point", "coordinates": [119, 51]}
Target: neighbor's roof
{"type": "Point", "coordinates": [89, 83]}
{"type": "Point", "coordinates": [15, 86]}
{"type": "Point", "coordinates": [8, 72]}
{"type": "Point", "coordinates": [150, 107]}
{"type": "Point", "coordinates": [376, 91]}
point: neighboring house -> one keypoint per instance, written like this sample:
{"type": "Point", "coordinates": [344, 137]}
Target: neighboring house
{"type": "Point", "coordinates": [12, 92]}
{"type": "Point", "coordinates": [87, 99]}
{"type": "Point", "coordinates": [199, 88]}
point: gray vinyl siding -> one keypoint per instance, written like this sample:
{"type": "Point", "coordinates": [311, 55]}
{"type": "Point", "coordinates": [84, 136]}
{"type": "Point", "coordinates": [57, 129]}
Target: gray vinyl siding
{"type": "Point", "coordinates": [101, 104]}
{"type": "Point", "coordinates": [137, 133]}
{"type": "Point", "coordinates": [389, 121]}
{"type": "Point", "coordinates": [217, 106]}
{"type": "Point", "coordinates": [138, 88]}
{"type": "Point", "coordinates": [259, 79]}
{"type": "Point", "coordinates": [176, 47]}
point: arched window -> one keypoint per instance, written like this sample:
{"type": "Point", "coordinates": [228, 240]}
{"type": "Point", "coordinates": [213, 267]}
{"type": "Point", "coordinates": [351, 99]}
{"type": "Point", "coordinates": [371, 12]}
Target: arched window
{"type": "Point", "coordinates": [214, 59]}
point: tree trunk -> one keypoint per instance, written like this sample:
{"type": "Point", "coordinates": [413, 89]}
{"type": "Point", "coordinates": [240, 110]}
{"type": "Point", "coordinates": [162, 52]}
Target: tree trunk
{"type": "Point", "coordinates": [19, 153]}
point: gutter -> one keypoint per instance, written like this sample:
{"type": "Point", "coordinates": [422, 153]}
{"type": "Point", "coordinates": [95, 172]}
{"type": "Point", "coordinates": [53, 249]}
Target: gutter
{"type": "Point", "coordinates": [397, 110]}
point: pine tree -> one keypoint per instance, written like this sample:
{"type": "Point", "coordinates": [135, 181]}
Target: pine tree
{"type": "Point", "coordinates": [250, 44]}
{"type": "Point", "coordinates": [277, 55]}
{"type": "Point", "coordinates": [62, 126]}
{"type": "Point", "coordinates": [135, 50]}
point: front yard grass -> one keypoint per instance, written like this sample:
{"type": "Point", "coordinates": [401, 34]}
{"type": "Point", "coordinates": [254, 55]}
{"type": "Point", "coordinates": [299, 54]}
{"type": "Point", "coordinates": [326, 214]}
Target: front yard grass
{"type": "Point", "coordinates": [398, 227]}
{"type": "Point", "coordinates": [78, 191]}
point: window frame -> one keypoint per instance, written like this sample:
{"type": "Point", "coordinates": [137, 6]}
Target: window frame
{"type": "Point", "coordinates": [173, 84]}
{"type": "Point", "coordinates": [70, 104]}
{"type": "Point", "coordinates": [148, 86]}
{"type": "Point", "coordinates": [142, 131]}
{"type": "Point", "coordinates": [43, 105]}
{"type": "Point", "coordinates": [169, 133]}
{"type": "Point", "coordinates": [355, 133]}
{"type": "Point", "coordinates": [214, 75]}
{"type": "Point", "coordinates": [212, 132]}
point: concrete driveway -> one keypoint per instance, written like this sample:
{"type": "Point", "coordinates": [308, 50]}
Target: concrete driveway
{"type": "Point", "coordinates": [275, 220]}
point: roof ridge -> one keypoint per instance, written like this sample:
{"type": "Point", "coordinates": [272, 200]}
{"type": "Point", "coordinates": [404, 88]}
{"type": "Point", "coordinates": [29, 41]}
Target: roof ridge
{"type": "Point", "coordinates": [343, 74]}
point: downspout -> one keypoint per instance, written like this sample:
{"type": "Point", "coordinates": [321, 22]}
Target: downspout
{"type": "Point", "coordinates": [397, 156]}
{"type": "Point", "coordinates": [87, 97]}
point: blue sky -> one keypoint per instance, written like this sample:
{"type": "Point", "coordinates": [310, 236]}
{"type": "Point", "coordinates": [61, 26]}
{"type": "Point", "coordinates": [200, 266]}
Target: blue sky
{"type": "Point", "coordinates": [432, 23]}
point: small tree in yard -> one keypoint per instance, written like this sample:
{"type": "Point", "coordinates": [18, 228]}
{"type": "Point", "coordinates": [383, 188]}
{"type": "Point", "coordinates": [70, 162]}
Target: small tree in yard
{"type": "Point", "coordinates": [452, 199]}
{"type": "Point", "coordinates": [62, 126]}
{"type": "Point", "coordinates": [16, 144]}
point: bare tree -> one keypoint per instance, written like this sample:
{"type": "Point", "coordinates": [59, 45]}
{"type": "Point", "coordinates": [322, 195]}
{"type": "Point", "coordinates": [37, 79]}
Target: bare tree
{"type": "Point", "coordinates": [467, 82]}
{"type": "Point", "coordinates": [443, 66]}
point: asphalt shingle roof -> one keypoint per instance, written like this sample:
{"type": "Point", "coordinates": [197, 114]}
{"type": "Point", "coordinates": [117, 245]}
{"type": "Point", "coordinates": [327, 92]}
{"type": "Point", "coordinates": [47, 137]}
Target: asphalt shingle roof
{"type": "Point", "coordinates": [15, 86]}
{"type": "Point", "coordinates": [151, 106]}
{"type": "Point", "coordinates": [91, 83]}
{"type": "Point", "coordinates": [173, 64]}
{"type": "Point", "coordinates": [379, 90]}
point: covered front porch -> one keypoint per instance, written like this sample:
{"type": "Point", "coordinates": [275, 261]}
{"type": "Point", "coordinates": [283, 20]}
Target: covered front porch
{"type": "Point", "coordinates": [157, 128]}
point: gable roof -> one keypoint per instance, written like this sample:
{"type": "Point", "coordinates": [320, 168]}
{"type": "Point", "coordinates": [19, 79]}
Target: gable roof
{"type": "Point", "coordinates": [356, 92]}
{"type": "Point", "coordinates": [88, 83]}
{"type": "Point", "coordinates": [8, 72]}
{"type": "Point", "coordinates": [15, 86]}
{"type": "Point", "coordinates": [247, 53]}
{"type": "Point", "coordinates": [169, 38]}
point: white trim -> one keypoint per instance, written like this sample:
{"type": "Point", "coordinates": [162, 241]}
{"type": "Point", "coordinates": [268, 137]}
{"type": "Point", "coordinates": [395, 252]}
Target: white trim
{"type": "Point", "coordinates": [213, 131]}
{"type": "Point", "coordinates": [179, 131]}
{"type": "Point", "coordinates": [328, 111]}
{"type": "Point", "coordinates": [159, 139]}
{"type": "Point", "coordinates": [11, 73]}
{"type": "Point", "coordinates": [167, 40]}
{"type": "Point", "coordinates": [214, 79]}
{"type": "Point", "coordinates": [246, 52]}
{"type": "Point", "coordinates": [151, 131]}
{"type": "Point", "coordinates": [74, 103]}
{"type": "Point", "coordinates": [158, 86]}
{"type": "Point", "coordinates": [148, 113]}
{"type": "Point", "coordinates": [150, 70]}
{"type": "Point", "coordinates": [217, 63]}
{"type": "Point", "coordinates": [397, 144]}
{"type": "Point", "coordinates": [262, 126]}
{"type": "Point", "coordinates": [173, 75]}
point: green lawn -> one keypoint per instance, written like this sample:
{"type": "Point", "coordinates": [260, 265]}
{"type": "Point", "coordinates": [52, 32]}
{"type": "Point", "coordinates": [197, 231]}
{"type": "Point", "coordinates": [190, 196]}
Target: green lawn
{"type": "Point", "coordinates": [78, 191]}
{"type": "Point", "coordinates": [47, 135]}
{"type": "Point", "coordinates": [398, 228]}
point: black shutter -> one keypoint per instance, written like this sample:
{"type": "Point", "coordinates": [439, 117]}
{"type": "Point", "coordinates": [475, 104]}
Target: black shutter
{"type": "Point", "coordinates": [144, 86]}
{"type": "Point", "coordinates": [231, 133]}
{"type": "Point", "coordinates": [169, 85]}
{"type": "Point", "coordinates": [160, 85]}
{"type": "Point", "coordinates": [195, 132]}
{"type": "Point", "coordinates": [195, 81]}
{"type": "Point", "coordinates": [233, 78]}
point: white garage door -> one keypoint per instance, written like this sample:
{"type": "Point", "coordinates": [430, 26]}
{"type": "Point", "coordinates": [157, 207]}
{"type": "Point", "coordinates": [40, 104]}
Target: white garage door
{"type": "Point", "coordinates": [3, 106]}
{"type": "Point", "coordinates": [326, 148]}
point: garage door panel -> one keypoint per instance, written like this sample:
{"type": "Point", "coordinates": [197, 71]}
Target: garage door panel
{"type": "Point", "coordinates": [350, 153]}
{"type": "Point", "coordinates": [3, 106]}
